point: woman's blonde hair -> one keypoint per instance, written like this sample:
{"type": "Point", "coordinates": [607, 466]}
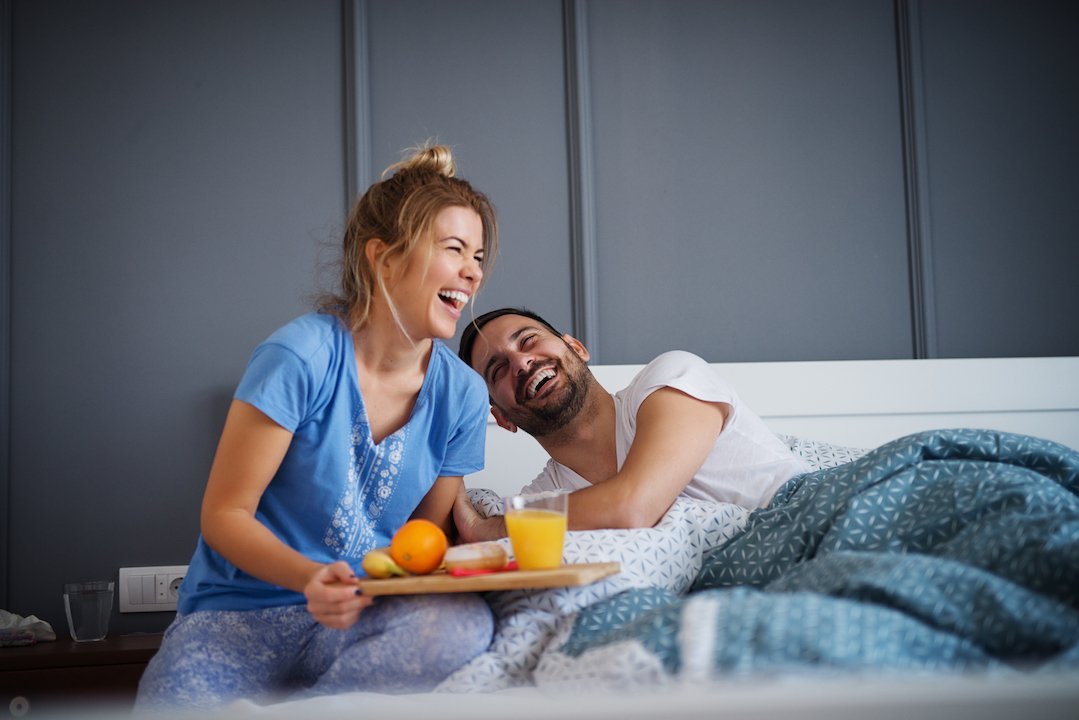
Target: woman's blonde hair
{"type": "Point", "coordinates": [400, 210]}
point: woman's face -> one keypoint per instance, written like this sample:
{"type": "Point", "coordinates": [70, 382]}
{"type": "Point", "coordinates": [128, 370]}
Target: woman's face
{"type": "Point", "coordinates": [430, 295]}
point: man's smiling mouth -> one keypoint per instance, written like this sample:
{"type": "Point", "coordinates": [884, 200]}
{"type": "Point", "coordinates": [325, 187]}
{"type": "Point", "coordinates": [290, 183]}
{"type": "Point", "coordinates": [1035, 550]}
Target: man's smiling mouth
{"type": "Point", "coordinates": [537, 381]}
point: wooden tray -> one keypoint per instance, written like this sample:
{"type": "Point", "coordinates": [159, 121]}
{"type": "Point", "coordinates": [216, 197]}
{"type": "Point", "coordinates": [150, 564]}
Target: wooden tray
{"type": "Point", "coordinates": [440, 582]}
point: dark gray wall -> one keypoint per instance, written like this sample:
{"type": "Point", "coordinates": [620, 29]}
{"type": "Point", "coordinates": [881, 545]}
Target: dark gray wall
{"type": "Point", "coordinates": [489, 81]}
{"type": "Point", "coordinates": [1002, 120]}
{"type": "Point", "coordinates": [747, 160]}
{"type": "Point", "coordinates": [754, 180]}
{"type": "Point", "coordinates": [176, 168]}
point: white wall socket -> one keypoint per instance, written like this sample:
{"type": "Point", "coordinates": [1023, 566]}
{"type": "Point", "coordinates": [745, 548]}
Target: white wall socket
{"type": "Point", "coordinates": [150, 589]}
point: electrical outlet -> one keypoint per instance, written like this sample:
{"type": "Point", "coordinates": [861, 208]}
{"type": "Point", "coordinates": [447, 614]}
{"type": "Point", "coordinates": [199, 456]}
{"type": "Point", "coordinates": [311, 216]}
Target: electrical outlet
{"type": "Point", "coordinates": [150, 589]}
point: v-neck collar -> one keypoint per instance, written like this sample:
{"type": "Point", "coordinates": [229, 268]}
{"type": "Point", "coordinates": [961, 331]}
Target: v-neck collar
{"type": "Point", "coordinates": [421, 398]}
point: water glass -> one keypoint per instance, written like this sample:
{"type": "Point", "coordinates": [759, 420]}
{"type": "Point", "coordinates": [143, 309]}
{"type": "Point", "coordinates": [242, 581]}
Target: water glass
{"type": "Point", "coordinates": [88, 606]}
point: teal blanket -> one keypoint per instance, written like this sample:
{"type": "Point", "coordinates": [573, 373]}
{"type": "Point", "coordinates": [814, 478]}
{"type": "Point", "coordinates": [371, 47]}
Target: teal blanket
{"type": "Point", "coordinates": [951, 549]}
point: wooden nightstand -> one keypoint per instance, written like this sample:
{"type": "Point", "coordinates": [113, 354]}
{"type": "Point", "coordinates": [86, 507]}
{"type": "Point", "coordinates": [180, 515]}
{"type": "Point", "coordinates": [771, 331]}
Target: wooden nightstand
{"type": "Point", "coordinates": [67, 674]}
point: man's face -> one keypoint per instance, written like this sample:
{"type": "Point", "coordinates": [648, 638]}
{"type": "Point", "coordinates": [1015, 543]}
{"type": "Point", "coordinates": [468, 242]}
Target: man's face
{"type": "Point", "coordinates": [537, 380]}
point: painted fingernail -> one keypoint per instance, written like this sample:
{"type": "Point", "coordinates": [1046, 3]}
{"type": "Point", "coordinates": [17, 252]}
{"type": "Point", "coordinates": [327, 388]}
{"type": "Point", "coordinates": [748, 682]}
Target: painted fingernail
{"type": "Point", "coordinates": [359, 591]}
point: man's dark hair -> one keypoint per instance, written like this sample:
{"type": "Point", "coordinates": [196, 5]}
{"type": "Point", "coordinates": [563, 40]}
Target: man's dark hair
{"type": "Point", "coordinates": [468, 337]}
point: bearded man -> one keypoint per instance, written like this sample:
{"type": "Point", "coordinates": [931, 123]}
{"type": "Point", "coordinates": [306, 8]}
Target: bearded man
{"type": "Point", "coordinates": [676, 429]}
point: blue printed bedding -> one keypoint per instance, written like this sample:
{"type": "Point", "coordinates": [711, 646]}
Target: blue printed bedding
{"type": "Point", "coordinates": [945, 550]}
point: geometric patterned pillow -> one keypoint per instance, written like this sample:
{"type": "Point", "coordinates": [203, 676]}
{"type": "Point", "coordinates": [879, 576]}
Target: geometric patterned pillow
{"type": "Point", "coordinates": [665, 558]}
{"type": "Point", "coordinates": [488, 503]}
{"type": "Point", "coordinates": [667, 555]}
{"type": "Point", "coordinates": [819, 455]}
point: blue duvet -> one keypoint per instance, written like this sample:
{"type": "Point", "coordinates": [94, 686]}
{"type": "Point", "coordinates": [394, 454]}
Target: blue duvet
{"type": "Point", "coordinates": [950, 549]}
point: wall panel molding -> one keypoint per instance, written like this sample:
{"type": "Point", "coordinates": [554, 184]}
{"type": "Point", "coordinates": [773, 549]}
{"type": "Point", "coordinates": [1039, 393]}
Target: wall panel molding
{"type": "Point", "coordinates": [357, 99]}
{"type": "Point", "coordinates": [6, 162]}
{"type": "Point", "coordinates": [916, 179]}
{"type": "Point", "coordinates": [581, 178]}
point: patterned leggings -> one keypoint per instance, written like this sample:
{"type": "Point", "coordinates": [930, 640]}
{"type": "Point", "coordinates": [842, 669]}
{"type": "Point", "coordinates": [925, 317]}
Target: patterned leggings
{"type": "Point", "coordinates": [399, 644]}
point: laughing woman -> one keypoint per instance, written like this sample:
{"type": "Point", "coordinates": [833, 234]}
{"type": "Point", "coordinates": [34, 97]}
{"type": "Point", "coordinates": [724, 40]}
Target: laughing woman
{"type": "Point", "coordinates": [347, 422]}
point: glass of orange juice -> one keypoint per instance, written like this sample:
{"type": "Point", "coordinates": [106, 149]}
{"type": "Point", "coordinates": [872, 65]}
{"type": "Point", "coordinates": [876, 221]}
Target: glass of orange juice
{"type": "Point", "coordinates": [537, 528]}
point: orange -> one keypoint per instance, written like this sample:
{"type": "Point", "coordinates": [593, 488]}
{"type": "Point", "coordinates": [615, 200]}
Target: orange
{"type": "Point", "coordinates": [419, 546]}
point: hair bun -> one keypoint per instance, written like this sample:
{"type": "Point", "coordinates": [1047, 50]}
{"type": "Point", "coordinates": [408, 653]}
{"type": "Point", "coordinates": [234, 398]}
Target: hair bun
{"type": "Point", "coordinates": [430, 158]}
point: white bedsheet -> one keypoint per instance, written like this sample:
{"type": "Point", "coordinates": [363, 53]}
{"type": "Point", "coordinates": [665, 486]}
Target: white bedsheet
{"type": "Point", "coordinates": [531, 625]}
{"type": "Point", "coordinates": [528, 621]}
{"type": "Point", "coordinates": [945, 697]}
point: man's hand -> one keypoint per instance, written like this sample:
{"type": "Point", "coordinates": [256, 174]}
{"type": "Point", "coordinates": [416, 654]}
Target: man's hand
{"type": "Point", "coordinates": [471, 526]}
{"type": "Point", "coordinates": [332, 596]}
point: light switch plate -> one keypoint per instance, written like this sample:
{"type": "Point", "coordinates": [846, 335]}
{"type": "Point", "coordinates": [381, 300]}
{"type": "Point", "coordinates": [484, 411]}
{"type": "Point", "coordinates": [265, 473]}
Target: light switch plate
{"type": "Point", "coordinates": [150, 589]}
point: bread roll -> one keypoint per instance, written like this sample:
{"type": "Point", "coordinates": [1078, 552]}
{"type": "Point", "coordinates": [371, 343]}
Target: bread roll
{"type": "Point", "coordinates": [476, 556]}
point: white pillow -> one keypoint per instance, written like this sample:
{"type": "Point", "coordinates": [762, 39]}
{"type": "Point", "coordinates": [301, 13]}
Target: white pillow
{"type": "Point", "coordinates": [819, 455]}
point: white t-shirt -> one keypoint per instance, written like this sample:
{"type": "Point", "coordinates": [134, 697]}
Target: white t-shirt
{"type": "Point", "coordinates": [748, 463]}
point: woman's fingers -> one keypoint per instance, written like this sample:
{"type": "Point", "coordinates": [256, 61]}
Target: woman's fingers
{"type": "Point", "coordinates": [341, 620]}
{"type": "Point", "coordinates": [333, 598]}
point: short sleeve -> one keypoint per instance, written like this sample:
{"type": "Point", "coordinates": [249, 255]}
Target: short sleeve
{"type": "Point", "coordinates": [278, 383]}
{"type": "Point", "coordinates": [541, 483]}
{"type": "Point", "coordinates": [465, 451]}
{"type": "Point", "coordinates": [682, 371]}
{"type": "Point", "coordinates": [554, 476]}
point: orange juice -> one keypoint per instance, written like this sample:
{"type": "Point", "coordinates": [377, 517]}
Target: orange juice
{"type": "Point", "coordinates": [537, 537]}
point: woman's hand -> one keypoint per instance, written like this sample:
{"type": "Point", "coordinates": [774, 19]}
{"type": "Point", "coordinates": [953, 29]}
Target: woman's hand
{"type": "Point", "coordinates": [333, 597]}
{"type": "Point", "coordinates": [471, 526]}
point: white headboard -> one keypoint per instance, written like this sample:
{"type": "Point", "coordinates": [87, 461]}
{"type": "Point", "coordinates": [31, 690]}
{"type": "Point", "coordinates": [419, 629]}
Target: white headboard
{"type": "Point", "coordinates": [859, 403]}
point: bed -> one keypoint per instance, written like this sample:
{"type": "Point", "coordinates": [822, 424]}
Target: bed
{"type": "Point", "coordinates": [927, 544]}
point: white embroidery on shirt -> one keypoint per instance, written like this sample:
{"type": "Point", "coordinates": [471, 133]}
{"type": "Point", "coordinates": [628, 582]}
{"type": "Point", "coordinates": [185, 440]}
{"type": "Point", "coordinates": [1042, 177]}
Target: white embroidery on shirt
{"type": "Point", "coordinates": [373, 472]}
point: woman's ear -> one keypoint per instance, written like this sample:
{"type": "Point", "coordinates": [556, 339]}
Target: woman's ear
{"type": "Point", "coordinates": [373, 251]}
{"type": "Point", "coordinates": [383, 263]}
{"type": "Point", "coordinates": [502, 420]}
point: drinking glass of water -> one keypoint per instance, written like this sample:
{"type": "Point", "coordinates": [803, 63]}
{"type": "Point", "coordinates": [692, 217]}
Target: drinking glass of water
{"type": "Point", "coordinates": [88, 606]}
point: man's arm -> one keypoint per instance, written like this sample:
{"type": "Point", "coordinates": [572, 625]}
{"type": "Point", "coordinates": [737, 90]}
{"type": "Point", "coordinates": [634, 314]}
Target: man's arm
{"type": "Point", "coordinates": [473, 527]}
{"type": "Point", "coordinates": [675, 433]}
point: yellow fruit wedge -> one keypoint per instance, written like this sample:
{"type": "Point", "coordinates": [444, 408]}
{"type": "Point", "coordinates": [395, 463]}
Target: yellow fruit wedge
{"type": "Point", "coordinates": [377, 563]}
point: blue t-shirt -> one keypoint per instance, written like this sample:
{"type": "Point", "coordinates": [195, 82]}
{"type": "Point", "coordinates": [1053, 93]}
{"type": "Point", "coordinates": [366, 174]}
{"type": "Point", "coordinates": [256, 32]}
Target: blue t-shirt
{"type": "Point", "coordinates": [337, 494]}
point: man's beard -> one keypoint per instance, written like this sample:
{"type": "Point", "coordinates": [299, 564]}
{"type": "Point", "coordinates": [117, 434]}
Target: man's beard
{"type": "Point", "coordinates": [560, 411]}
